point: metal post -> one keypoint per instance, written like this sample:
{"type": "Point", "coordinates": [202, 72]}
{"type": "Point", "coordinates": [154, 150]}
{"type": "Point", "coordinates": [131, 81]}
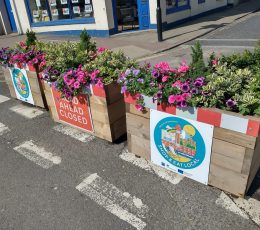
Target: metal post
{"type": "Point", "coordinates": [159, 21]}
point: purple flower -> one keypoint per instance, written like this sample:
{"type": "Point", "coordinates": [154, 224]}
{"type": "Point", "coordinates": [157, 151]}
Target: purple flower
{"type": "Point", "coordinates": [230, 103]}
{"type": "Point", "coordinates": [140, 80]}
{"type": "Point", "coordinates": [198, 83]}
{"type": "Point", "coordinates": [159, 94]}
{"type": "Point", "coordinates": [127, 72]}
{"type": "Point", "coordinates": [205, 93]}
{"type": "Point", "coordinates": [183, 104]}
{"type": "Point", "coordinates": [123, 89]}
{"type": "Point", "coordinates": [136, 72]}
{"type": "Point", "coordinates": [152, 84]}
{"type": "Point", "coordinates": [155, 73]}
{"type": "Point", "coordinates": [194, 91]}
{"type": "Point", "coordinates": [185, 87]}
{"type": "Point", "coordinates": [55, 72]}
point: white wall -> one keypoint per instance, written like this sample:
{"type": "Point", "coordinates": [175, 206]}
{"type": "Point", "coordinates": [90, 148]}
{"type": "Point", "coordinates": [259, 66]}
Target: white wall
{"type": "Point", "coordinates": [103, 21]}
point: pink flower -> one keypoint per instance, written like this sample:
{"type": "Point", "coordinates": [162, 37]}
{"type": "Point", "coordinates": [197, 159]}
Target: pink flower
{"type": "Point", "coordinates": [186, 95]}
{"type": "Point", "coordinates": [163, 65]}
{"type": "Point", "coordinates": [177, 84]}
{"type": "Point", "coordinates": [76, 85]}
{"type": "Point", "coordinates": [171, 99]}
{"type": "Point", "coordinates": [179, 98]}
{"type": "Point", "coordinates": [215, 61]}
{"type": "Point", "coordinates": [139, 107]}
{"type": "Point", "coordinates": [100, 84]}
{"type": "Point", "coordinates": [101, 49]}
{"type": "Point", "coordinates": [94, 74]}
{"type": "Point", "coordinates": [183, 68]}
{"type": "Point", "coordinates": [165, 78]}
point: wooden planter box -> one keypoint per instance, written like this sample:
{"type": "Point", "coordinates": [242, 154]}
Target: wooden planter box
{"type": "Point", "coordinates": [106, 109]}
{"type": "Point", "coordinates": [235, 157]}
{"type": "Point", "coordinates": [34, 83]}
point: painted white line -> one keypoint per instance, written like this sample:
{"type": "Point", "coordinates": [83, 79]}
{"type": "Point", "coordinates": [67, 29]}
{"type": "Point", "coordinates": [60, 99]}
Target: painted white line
{"type": "Point", "coordinates": [75, 133]}
{"type": "Point", "coordinates": [3, 129]}
{"type": "Point", "coordinates": [226, 202]}
{"type": "Point", "coordinates": [228, 47]}
{"type": "Point", "coordinates": [37, 154]}
{"type": "Point", "coordinates": [3, 98]}
{"type": "Point", "coordinates": [225, 39]}
{"type": "Point", "coordinates": [172, 177]}
{"type": "Point", "coordinates": [27, 111]}
{"type": "Point", "coordinates": [119, 203]}
{"type": "Point", "coordinates": [251, 207]}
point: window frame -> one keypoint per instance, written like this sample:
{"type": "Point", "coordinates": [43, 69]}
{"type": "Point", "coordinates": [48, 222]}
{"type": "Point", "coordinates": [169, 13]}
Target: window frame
{"type": "Point", "coordinates": [69, 21]}
{"type": "Point", "coordinates": [178, 8]}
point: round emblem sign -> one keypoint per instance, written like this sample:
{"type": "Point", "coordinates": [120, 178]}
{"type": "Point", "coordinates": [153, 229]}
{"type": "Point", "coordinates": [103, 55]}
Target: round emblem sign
{"type": "Point", "coordinates": [20, 83]}
{"type": "Point", "coordinates": [179, 142]}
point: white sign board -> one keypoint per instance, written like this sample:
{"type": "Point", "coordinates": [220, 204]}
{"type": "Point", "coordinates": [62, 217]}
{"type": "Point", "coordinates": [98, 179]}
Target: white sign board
{"type": "Point", "coordinates": [181, 145]}
{"type": "Point", "coordinates": [21, 85]}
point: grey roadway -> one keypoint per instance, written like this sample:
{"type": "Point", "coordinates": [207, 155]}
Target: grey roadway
{"type": "Point", "coordinates": [47, 199]}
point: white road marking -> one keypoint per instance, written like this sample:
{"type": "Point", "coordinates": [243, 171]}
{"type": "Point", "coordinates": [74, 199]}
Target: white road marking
{"type": "Point", "coordinates": [172, 177]}
{"type": "Point", "coordinates": [27, 111]}
{"type": "Point", "coordinates": [75, 133]}
{"type": "Point", "coordinates": [226, 202]}
{"type": "Point", "coordinates": [3, 98]}
{"type": "Point", "coordinates": [121, 204]}
{"type": "Point", "coordinates": [3, 129]}
{"type": "Point", "coordinates": [38, 154]}
{"type": "Point", "coordinates": [251, 207]}
{"type": "Point", "coordinates": [225, 39]}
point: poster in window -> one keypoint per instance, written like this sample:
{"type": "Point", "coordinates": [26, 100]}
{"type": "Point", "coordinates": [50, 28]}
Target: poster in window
{"type": "Point", "coordinates": [74, 1]}
{"type": "Point", "coordinates": [88, 9]}
{"type": "Point", "coordinates": [44, 13]}
{"type": "Point", "coordinates": [53, 3]}
{"type": "Point", "coordinates": [65, 11]}
{"type": "Point", "coordinates": [35, 13]}
{"type": "Point", "coordinates": [54, 12]}
{"type": "Point", "coordinates": [63, 2]}
{"type": "Point", "coordinates": [76, 9]}
{"type": "Point", "coordinates": [38, 3]}
{"type": "Point", "coordinates": [87, 1]}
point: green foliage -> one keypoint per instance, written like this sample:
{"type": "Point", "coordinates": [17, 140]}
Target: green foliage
{"type": "Point", "coordinates": [30, 38]}
{"type": "Point", "coordinates": [197, 63]}
{"type": "Point", "coordinates": [86, 49]}
{"type": "Point", "coordinates": [231, 83]}
{"type": "Point", "coordinates": [110, 65]}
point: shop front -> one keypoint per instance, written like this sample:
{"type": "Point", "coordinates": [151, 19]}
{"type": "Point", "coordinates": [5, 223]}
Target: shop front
{"type": "Point", "coordinates": [102, 18]}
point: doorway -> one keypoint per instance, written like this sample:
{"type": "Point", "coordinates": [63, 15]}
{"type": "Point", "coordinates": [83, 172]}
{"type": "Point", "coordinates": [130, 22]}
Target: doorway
{"type": "Point", "coordinates": [10, 15]}
{"type": "Point", "coordinates": [131, 15]}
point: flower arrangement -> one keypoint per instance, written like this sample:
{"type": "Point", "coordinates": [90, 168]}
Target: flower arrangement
{"type": "Point", "coordinates": [5, 56]}
{"type": "Point", "coordinates": [163, 83]}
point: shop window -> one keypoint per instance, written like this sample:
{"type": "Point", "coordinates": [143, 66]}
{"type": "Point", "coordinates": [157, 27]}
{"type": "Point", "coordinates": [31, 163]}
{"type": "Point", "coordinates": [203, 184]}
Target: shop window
{"type": "Point", "coordinates": [177, 5]}
{"type": "Point", "coordinates": [52, 10]}
{"type": "Point", "coordinates": [201, 1]}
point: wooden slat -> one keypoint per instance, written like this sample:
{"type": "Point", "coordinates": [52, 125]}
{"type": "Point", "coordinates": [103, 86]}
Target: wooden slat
{"type": "Point", "coordinates": [138, 126]}
{"type": "Point", "coordinates": [139, 147]}
{"type": "Point", "coordinates": [255, 164]}
{"type": "Point", "coordinates": [116, 111]}
{"type": "Point", "coordinates": [247, 161]}
{"type": "Point", "coordinates": [234, 137]}
{"type": "Point", "coordinates": [37, 98]}
{"type": "Point", "coordinates": [12, 91]}
{"type": "Point", "coordinates": [131, 109]}
{"type": "Point", "coordinates": [228, 180]}
{"type": "Point", "coordinates": [102, 130]}
{"type": "Point", "coordinates": [113, 93]}
{"type": "Point", "coordinates": [227, 155]}
{"type": "Point", "coordinates": [118, 128]}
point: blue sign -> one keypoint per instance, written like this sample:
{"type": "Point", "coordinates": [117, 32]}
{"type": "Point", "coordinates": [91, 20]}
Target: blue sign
{"type": "Point", "coordinates": [179, 142]}
{"type": "Point", "coordinates": [20, 83]}
{"type": "Point", "coordinates": [181, 145]}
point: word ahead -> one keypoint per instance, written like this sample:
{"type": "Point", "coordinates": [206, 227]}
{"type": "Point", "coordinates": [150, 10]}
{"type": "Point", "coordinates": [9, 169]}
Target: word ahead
{"type": "Point", "coordinates": [75, 112]}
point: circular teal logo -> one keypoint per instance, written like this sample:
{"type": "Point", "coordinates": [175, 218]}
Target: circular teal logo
{"type": "Point", "coordinates": [20, 83]}
{"type": "Point", "coordinates": [179, 142]}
